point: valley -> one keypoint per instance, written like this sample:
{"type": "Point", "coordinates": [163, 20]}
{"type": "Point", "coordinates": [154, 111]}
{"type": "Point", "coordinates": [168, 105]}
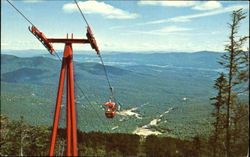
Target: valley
{"type": "Point", "coordinates": [159, 93]}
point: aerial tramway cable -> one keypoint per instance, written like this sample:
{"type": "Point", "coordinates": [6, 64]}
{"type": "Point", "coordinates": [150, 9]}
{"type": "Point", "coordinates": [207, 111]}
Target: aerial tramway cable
{"type": "Point", "coordinates": [82, 13]}
{"type": "Point", "coordinates": [54, 50]}
{"type": "Point", "coordinates": [29, 22]}
{"type": "Point", "coordinates": [20, 13]}
{"type": "Point", "coordinates": [99, 55]}
{"type": "Point", "coordinates": [71, 118]}
{"type": "Point", "coordinates": [85, 96]}
{"type": "Point", "coordinates": [61, 59]}
{"type": "Point", "coordinates": [77, 85]}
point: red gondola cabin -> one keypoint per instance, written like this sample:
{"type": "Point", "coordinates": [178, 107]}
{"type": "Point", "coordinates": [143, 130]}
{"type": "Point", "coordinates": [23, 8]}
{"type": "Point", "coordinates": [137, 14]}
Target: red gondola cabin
{"type": "Point", "coordinates": [110, 109]}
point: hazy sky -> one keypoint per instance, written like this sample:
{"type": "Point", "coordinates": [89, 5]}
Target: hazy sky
{"type": "Point", "coordinates": [185, 26]}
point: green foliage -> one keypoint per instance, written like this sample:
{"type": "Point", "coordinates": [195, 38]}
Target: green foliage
{"type": "Point", "coordinates": [37, 138]}
{"type": "Point", "coordinates": [167, 146]}
{"type": "Point", "coordinates": [10, 137]}
{"type": "Point", "coordinates": [228, 105]}
{"type": "Point", "coordinates": [18, 138]}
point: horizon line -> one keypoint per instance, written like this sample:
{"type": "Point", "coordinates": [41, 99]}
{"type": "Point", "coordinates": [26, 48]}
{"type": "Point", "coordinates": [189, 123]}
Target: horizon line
{"type": "Point", "coordinates": [110, 51]}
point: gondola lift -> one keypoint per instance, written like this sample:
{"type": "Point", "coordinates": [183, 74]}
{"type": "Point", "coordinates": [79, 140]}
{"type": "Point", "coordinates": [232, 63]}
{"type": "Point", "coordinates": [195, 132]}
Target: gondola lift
{"type": "Point", "coordinates": [110, 109]}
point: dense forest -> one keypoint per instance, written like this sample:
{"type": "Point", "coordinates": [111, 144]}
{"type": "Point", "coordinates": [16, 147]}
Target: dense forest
{"type": "Point", "coordinates": [21, 139]}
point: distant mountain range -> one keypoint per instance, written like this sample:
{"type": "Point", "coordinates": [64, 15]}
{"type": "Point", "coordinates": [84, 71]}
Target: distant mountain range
{"type": "Point", "coordinates": [202, 59]}
{"type": "Point", "coordinates": [146, 84]}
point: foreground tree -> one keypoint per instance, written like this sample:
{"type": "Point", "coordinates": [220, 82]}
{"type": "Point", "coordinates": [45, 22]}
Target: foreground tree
{"type": "Point", "coordinates": [235, 62]}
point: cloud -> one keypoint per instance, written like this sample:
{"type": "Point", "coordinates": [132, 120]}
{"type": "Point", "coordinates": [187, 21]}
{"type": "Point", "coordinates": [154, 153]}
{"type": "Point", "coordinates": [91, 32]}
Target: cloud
{"type": "Point", "coordinates": [209, 5]}
{"type": "Point", "coordinates": [220, 11]}
{"type": "Point", "coordinates": [187, 18]}
{"type": "Point", "coordinates": [169, 3]}
{"type": "Point", "coordinates": [95, 7]}
{"type": "Point", "coordinates": [32, 1]}
{"type": "Point", "coordinates": [168, 29]}
{"type": "Point", "coordinates": [164, 31]}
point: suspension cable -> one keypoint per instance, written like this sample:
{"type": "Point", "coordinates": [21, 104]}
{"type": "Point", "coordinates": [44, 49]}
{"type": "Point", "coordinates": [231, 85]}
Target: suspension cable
{"type": "Point", "coordinates": [105, 71]}
{"type": "Point", "coordinates": [82, 13]}
{"type": "Point", "coordinates": [85, 96]}
{"type": "Point", "coordinates": [61, 59]}
{"type": "Point", "coordinates": [106, 74]}
{"type": "Point", "coordinates": [28, 22]}
{"type": "Point", "coordinates": [82, 105]}
{"type": "Point", "coordinates": [58, 56]}
{"type": "Point", "coordinates": [90, 104]}
{"type": "Point", "coordinates": [34, 25]}
{"type": "Point", "coordinates": [104, 68]}
{"type": "Point", "coordinates": [77, 85]}
{"type": "Point", "coordinates": [20, 13]}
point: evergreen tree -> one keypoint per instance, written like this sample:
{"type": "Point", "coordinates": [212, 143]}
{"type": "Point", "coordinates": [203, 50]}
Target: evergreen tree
{"type": "Point", "coordinates": [232, 61]}
{"type": "Point", "coordinates": [220, 85]}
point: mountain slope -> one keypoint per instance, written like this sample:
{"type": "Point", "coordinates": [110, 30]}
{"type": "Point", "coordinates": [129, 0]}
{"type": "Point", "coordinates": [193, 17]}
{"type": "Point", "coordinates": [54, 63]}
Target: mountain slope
{"type": "Point", "coordinates": [29, 86]}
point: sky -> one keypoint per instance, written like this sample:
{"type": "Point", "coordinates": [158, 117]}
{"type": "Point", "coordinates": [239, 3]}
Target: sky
{"type": "Point", "coordinates": [124, 26]}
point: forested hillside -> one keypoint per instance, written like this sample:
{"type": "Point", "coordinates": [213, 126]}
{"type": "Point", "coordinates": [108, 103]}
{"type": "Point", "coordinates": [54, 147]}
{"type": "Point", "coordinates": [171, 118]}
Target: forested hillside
{"type": "Point", "coordinates": [29, 86]}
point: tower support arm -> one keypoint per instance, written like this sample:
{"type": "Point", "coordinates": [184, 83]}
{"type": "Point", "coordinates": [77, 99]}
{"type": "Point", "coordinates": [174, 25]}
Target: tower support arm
{"type": "Point", "coordinates": [68, 41]}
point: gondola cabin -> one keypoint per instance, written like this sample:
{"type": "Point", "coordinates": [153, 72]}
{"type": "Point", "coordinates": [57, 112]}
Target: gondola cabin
{"type": "Point", "coordinates": [110, 109]}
